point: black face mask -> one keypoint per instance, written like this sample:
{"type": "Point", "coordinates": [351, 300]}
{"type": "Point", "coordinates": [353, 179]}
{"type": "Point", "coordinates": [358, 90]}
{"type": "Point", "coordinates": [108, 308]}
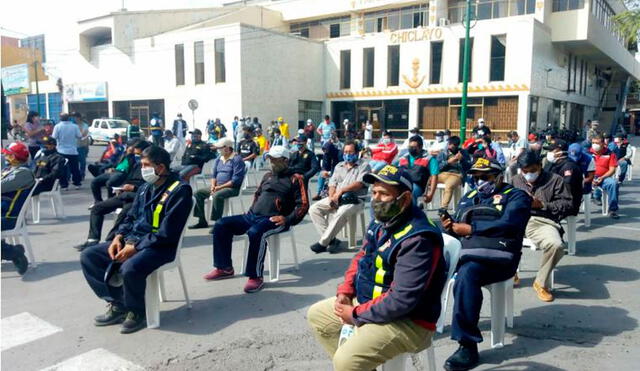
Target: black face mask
{"type": "Point", "coordinates": [414, 151]}
{"type": "Point", "coordinates": [454, 150]}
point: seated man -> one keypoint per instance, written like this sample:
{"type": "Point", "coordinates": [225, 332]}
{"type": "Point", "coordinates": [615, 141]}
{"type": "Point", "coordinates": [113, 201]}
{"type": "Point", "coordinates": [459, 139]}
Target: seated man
{"type": "Point", "coordinates": [606, 164]}
{"type": "Point", "coordinates": [123, 200]}
{"type": "Point", "coordinates": [49, 166]}
{"type": "Point", "coordinates": [552, 202]}
{"type": "Point", "coordinates": [248, 148]}
{"type": "Point", "coordinates": [17, 181]}
{"type": "Point", "coordinates": [226, 179]}
{"type": "Point", "coordinates": [116, 176]}
{"type": "Point", "coordinates": [174, 147]}
{"type": "Point", "coordinates": [109, 157]}
{"type": "Point", "coordinates": [619, 147]}
{"type": "Point", "coordinates": [303, 161]}
{"type": "Point", "coordinates": [439, 144]}
{"type": "Point", "coordinates": [517, 145]}
{"type": "Point", "coordinates": [560, 164]}
{"type": "Point", "coordinates": [391, 290]}
{"type": "Point", "coordinates": [195, 156]}
{"type": "Point", "coordinates": [492, 219]}
{"type": "Point", "coordinates": [453, 163]}
{"type": "Point", "coordinates": [586, 163]}
{"type": "Point", "coordinates": [422, 170]}
{"type": "Point", "coordinates": [279, 203]}
{"type": "Point", "coordinates": [383, 153]}
{"type": "Point", "coordinates": [346, 188]}
{"type": "Point", "coordinates": [147, 239]}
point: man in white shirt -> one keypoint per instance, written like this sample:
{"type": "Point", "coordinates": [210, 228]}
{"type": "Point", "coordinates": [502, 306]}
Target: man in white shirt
{"type": "Point", "coordinates": [439, 145]}
{"type": "Point", "coordinates": [174, 147]}
{"type": "Point", "coordinates": [368, 133]}
{"type": "Point", "coordinates": [517, 145]}
{"type": "Point", "coordinates": [180, 128]}
{"type": "Point", "coordinates": [67, 134]}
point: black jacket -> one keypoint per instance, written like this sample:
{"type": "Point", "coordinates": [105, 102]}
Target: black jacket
{"type": "Point", "coordinates": [197, 153]}
{"type": "Point", "coordinates": [283, 194]}
{"type": "Point", "coordinates": [49, 167]}
{"type": "Point", "coordinates": [305, 164]}
{"type": "Point", "coordinates": [552, 191]}
{"type": "Point", "coordinates": [571, 173]}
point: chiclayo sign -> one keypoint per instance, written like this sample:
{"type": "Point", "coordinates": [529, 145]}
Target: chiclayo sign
{"type": "Point", "coordinates": [419, 34]}
{"type": "Point", "coordinates": [86, 92]}
{"type": "Point", "coordinates": [15, 79]}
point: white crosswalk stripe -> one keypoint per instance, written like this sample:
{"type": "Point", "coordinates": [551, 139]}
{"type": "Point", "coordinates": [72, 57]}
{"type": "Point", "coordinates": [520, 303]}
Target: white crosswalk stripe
{"type": "Point", "coordinates": [95, 360]}
{"type": "Point", "coordinates": [24, 328]}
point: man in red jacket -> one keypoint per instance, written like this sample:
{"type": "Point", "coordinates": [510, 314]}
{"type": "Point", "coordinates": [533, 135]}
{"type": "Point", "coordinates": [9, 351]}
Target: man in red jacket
{"type": "Point", "coordinates": [383, 153]}
{"type": "Point", "coordinates": [391, 290]}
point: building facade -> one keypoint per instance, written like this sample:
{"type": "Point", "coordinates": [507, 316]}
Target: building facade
{"type": "Point", "coordinates": [396, 63]}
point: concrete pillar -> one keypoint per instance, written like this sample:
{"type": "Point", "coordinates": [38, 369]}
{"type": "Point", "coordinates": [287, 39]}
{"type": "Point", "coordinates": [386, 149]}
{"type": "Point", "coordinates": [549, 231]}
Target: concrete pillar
{"type": "Point", "coordinates": [413, 112]}
{"type": "Point", "coordinates": [523, 115]}
{"type": "Point", "coordinates": [437, 10]}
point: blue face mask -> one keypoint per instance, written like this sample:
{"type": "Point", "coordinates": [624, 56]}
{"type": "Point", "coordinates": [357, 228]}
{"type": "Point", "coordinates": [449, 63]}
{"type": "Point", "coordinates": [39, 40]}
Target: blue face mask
{"type": "Point", "coordinates": [295, 147]}
{"type": "Point", "coordinates": [350, 157]}
{"type": "Point", "coordinates": [480, 146]}
{"type": "Point", "coordinates": [485, 188]}
{"type": "Point", "coordinates": [137, 158]}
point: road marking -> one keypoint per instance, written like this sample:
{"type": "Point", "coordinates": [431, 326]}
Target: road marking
{"type": "Point", "coordinates": [24, 328]}
{"type": "Point", "coordinates": [95, 360]}
{"type": "Point", "coordinates": [617, 227]}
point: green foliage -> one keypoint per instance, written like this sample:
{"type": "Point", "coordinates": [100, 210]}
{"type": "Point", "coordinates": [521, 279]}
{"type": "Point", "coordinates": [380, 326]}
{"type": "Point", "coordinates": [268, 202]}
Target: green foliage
{"type": "Point", "coordinates": [628, 23]}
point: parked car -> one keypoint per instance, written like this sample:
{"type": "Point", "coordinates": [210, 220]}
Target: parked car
{"type": "Point", "coordinates": [102, 130]}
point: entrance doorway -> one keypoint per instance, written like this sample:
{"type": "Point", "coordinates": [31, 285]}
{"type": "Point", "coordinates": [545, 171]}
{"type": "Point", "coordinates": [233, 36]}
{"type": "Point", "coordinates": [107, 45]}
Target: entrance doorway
{"type": "Point", "coordinates": [141, 113]}
{"type": "Point", "coordinates": [373, 114]}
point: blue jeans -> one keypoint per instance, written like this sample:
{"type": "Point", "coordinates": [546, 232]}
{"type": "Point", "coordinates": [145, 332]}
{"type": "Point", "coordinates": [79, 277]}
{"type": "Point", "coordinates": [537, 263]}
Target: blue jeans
{"type": "Point", "coordinates": [376, 165]}
{"type": "Point", "coordinates": [624, 166]}
{"type": "Point", "coordinates": [83, 152]}
{"type": "Point", "coordinates": [321, 182]}
{"type": "Point", "coordinates": [609, 185]}
{"type": "Point", "coordinates": [417, 192]}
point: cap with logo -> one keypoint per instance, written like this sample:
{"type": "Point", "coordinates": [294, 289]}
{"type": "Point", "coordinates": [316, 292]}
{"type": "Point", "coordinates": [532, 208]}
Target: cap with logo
{"type": "Point", "coordinates": [18, 150]}
{"type": "Point", "coordinates": [482, 165]}
{"type": "Point", "coordinates": [49, 140]}
{"type": "Point", "coordinates": [389, 175]}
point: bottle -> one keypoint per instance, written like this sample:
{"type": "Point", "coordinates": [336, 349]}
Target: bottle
{"type": "Point", "coordinates": [346, 332]}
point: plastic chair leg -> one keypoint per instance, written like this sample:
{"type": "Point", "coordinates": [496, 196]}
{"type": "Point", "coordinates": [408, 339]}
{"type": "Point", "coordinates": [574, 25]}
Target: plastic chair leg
{"type": "Point", "coordinates": [152, 301]}
{"type": "Point", "coordinates": [162, 292]}
{"type": "Point", "coordinates": [509, 303]}
{"type": "Point", "coordinates": [353, 223]}
{"type": "Point", "coordinates": [571, 234]}
{"type": "Point", "coordinates": [497, 314]}
{"type": "Point", "coordinates": [443, 311]}
{"type": "Point", "coordinates": [429, 358]}
{"type": "Point", "coordinates": [395, 364]}
{"type": "Point", "coordinates": [184, 286]}
{"type": "Point", "coordinates": [605, 203]}
{"type": "Point", "coordinates": [35, 209]}
{"type": "Point", "coordinates": [27, 245]}
{"type": "Point", "coordinates": [587, 211]}
{"type": "Point", "coordinates": [294, 251]}
{"type": "Point", "coordinates": [274, 258]}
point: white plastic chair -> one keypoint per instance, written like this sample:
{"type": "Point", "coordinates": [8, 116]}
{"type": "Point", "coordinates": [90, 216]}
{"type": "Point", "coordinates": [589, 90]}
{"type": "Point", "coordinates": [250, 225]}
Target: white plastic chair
{"type": "Point", "coordinates": [586, 208]}
{"type": "Point", "coordinates": [604, 199]}
{"type": "Point", "coordinates": [351, 227]}
{"type": "Point", "coordinates": [571, 234]}
{"type": "Point", "coordinates": [205, 174]}
{"type": "Point", "coordinates": [155, 291]}
{"type": "Point", "coordinates": [230, 206]}
{"type": "Point", "coordinates": [273, 246]}
{"type": "Point", "coordinates": [250, 173]}
{"type": "Point", "coordinates": [457, 194]}
{"type": "Point", "coordinates": [528, 243]}
{"type": "Point", "coordinates": [20, 231]}
{"type": "Point", "coordinates": [631, 158]}
{"type": "Point", "coordinates": [55, 197]}
{"type": "Point", "coordinates": [398, 363]}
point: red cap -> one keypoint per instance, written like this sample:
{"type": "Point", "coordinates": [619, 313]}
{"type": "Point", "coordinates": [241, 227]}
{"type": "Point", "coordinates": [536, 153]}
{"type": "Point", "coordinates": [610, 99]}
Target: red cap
{"type": "Point", "coordinates": [533, 136]}
{"type": "Point", "coordinates": [17, 150]}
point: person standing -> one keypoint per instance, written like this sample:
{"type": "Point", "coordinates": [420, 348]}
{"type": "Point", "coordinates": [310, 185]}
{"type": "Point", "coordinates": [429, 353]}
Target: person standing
{"type": "Point", "coordinates": [67, 134]}
{"type": "Point", "coordinates": [284, 128]}
{"type": "Point", "coordinates": [481, 129]}
{"type": "Point", "coordinates": [180, 129]}
{"type": "Point", "coordinates": [133, 130]}
{"type": "Point", "coordinates": [310, 132]}
{"type": "Point", "coordinates": [326, 129]}
{"type": "Point", "coordinates": [368, 133]}
{"type": "Point", "coordinates": [34, 132]}
{"type": "Point", "coordinates": [83, 143]}
{"type": "Point", "coordinates": [330, 158]}
{"type": "Point", "coordinates": [302, 161]}
{"type": "Point", "coordinates": [157, 129]}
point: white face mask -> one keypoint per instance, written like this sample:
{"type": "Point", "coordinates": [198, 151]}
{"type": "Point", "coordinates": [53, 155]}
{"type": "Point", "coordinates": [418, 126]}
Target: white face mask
{"type": "Point", "coordinates": [531, 177]}
{"type": "Point", "coordinates": [481, 124]}
{"type": "Point", "coordinates": [596, 147]}
{"type": "Point", "coordinates": [551, 157]}
{"type": "Point", "coordinates": [439, 139]}
{"type": "Point", "coordinates": [149, 175]}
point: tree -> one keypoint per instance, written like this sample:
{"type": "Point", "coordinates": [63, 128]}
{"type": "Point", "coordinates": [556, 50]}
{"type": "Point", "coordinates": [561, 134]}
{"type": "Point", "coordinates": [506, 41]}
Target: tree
{"type": "Point", "coordinates": [628, 22]}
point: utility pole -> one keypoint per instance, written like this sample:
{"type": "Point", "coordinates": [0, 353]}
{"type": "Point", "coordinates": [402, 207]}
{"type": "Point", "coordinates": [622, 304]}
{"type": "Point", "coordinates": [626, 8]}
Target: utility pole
{"type": "Point", "coordinates": [35, 72]}
{"type": "Point", "coordinates": [465, 73]}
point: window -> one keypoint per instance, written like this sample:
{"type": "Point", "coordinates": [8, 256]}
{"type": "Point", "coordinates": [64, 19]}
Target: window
{"type": "Point", "coordinates": [490, 9]}
{"type": "Point", "coordinates": [198, 60]}
{"type": "Point", "coordinates": [104, 125]}
{"type": "Point", "coordinates": [221, 70]}
{"type": "Point", "coordinates": [498, 51]}
{"type": "Point", "coordinates": [179, 49]}
{"type": "Point", "coordinates": [395, 19]}
{"type": "Point", "coordinates": [32, 102]}
{"type": "Point", "coordinates": [323, 29]}
{"type": "Point", "coordinates": [564, 5]}
{"type": "Point", "coordinates": [334, 30]}
{"type": "Point", "coordinates": [461, 59]}
{"type": "Point", "coordinates": [393, 65]}
{"type": "Point", "coordinates": [368, 68]}
{"type": "Point", "coordinates": [436, 62]}
{"type": "Point", "coordinates": [345, 69]}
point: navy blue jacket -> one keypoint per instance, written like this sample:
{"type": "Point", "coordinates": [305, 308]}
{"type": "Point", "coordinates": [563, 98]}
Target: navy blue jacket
{"type": "Point", "coordinates": [137, 225]}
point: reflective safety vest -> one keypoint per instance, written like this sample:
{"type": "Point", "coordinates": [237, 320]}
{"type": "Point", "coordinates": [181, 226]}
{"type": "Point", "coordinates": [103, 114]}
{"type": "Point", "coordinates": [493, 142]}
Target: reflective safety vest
{"type": "Point", "coordinates": [376, 267]}
{"type": "Point", "coordinates": [160, 206]}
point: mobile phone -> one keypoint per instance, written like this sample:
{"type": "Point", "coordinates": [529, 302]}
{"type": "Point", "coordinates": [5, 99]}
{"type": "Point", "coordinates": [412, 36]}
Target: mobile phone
{"type": "Point", "coordinates": [444, 214]}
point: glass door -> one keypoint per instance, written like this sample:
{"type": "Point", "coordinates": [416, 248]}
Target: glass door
{"type": "Point", "coordinates": [141, 113]}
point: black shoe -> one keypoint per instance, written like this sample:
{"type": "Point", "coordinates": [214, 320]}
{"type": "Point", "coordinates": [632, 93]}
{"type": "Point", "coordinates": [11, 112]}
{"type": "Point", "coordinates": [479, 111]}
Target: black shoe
{"type": "Point", "coordinates": [113, 316]}
{"type": "Point", "coordinates": [211, 231]}
{"type": "Point", "coordinates": [465, 358]}
{"type": "Point", "coordinates": [334, 246]}
{"type": "Point", "coordinates": [19, 260]}
{"type": "Point", "coordinates": [86, 244]}
{"type": "Point", "coordinates": [199, 225]}
{"type": "Point", "coordinates": [613, 215]}
{"type": "Point", "coordinates": [317, 248]}
{"type": "Point", "coordinates": [134, 322]}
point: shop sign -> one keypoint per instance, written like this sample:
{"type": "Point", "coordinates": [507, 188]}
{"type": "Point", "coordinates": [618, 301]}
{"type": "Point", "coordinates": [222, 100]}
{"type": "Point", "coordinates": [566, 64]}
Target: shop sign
{"type": "Point", "coordinates": [86, 92]}
{"type": "Point", "coordinates": [420, 34]}
{"type": "Point", "coordinates": [15, 79]}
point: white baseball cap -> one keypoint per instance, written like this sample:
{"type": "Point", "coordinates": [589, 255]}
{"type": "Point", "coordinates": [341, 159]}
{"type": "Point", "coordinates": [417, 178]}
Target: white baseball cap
{"type": "Point", "coordinates": [223, 142]}
{"type": "Point", "coordinates": [346, 120]}
{"type": "Point", "coordinates": [480, 119]}
{"type": "Point", "coordinates": [309, 121]}
{"type": "Point", "coordinates": [278, 152]}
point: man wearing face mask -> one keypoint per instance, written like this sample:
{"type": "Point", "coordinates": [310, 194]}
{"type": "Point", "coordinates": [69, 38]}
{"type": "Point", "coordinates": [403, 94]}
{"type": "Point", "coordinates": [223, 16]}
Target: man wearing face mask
{"type": "Point", "coordinates": [439, 145]}
{"type": "Point", "coordinates": [346, 185]}
{"type": "Point", "coordinates": [383, 153]}
{"type": "Point", "coordinates": [412, 133]}
{"type": "Point", "coordinates": [491, 222]}
{"type": "Point", "coordinates": [122, 200]}
{"type": "Point", "coordinates": [422, 169]}
{"type": "Point", "coordinates": [559, 163]}
{"type": "Point", "coordinates": [552, 202]}
{"type": "Point", "coordinates": [619, 148]}
{"type": "Point", "coordinates": [279, 203]}
{"type": "Point", "coordinates": [196, 154]}
{"type": "Point", "coordinates": [116, 176]}
{"type": "Point", "coordinates": [391, 290]}
{"type": "Point", "coordinates": [606, 164]}
{"type": "Point", "coordinates": [453, 163]}
{"type": "Point", "coordinates": [147, 239]}
{"type": "Point", "coordinates": [226, 179]}
{"type": "Point", "coordinates": [49, 166]}
{"type": "Point", "coordinates": [248, 149]}
{"type": "Point", "coordinates": [481, 129]}
{"type": "Point", "coordinates": [302, 161]}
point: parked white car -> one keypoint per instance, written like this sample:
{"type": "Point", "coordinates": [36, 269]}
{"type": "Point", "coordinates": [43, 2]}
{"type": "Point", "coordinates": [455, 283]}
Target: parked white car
{"type": "Point", "coordinates": [102, 130]}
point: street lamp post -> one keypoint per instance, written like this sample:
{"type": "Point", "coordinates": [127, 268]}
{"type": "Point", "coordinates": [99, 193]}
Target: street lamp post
{"type": "Point", "coordinates": [465, 73]}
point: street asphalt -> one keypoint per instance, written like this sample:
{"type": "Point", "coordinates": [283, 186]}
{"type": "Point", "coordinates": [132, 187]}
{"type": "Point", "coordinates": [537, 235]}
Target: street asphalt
{"type": "Point", "coordinates": [47, 314]}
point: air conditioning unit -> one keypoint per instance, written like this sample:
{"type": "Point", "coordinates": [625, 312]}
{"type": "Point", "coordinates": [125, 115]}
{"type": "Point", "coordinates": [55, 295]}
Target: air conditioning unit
{"type": "Point", "coordinates": [443, 22]}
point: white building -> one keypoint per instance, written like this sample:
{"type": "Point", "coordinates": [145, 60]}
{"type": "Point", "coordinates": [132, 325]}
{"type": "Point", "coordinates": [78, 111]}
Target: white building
{"type": "Point", "coordinates": [396, 63]}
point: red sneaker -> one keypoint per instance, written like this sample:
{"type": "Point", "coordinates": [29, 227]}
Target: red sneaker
{"type": "Point", "coordinates": [219, 274]}
{"type": "Point", "coordinates": [254, 285]}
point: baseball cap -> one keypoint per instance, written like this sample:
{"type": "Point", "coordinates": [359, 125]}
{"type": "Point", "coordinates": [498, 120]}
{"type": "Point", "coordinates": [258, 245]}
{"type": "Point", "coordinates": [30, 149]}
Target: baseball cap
{"type": "Point", "coordinates": [557, 144]}
{"type": "Point", "coordinates": [49, 140]}
{"type": "Point", "coordinates": [196, 132]}
{"type": "Point", "coordinates": [309, 121]}
{"type": "Point", "coordinates": [480, 119]}
{"type": "Point", "coordinates": [223, 142]}
{"type": "Point", "coordinates": [278, 152]}
{"type": "Point", "coordinates": [532, 136]}
{"type": "Point", "coordinates": [440, 133]}
{"type": "Point", "coordinates": [300, 139]}
{"type": "Point", "coordinates": [482, 165]}
{"type": "Point", "coordinates": [17, 150]}
{"type": "Point", "coordinates": [389, 175]}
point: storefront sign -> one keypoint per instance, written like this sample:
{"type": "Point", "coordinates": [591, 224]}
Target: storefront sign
{"type": "Point", "coordinates": [397, 37]}
{"type": "Point", "coordinates": [86, 92]}
{"type": "Point", "coordinates": [15, 79]}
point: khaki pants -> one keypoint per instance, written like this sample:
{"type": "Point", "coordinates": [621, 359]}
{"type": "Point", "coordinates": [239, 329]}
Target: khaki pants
{"type": "Point", "coordinates": [329, 221]}
{"type": "Point", "coordinates": [371, 345]}
{"type": "Point", "coordinates": [451, 181]}
{"type": "Point", "coordinates": [545, 234]}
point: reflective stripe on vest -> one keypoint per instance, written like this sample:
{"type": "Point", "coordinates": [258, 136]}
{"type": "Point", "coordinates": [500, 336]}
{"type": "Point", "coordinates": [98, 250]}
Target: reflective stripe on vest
{"type": "Point", "coordinates": [160, 206]}
{"type": "Point", "coordinates": [13, 204]}
{"type": "Point", "coordinates": [473, 193]}
{"type": "Point", "coordinates": [379, 279]}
